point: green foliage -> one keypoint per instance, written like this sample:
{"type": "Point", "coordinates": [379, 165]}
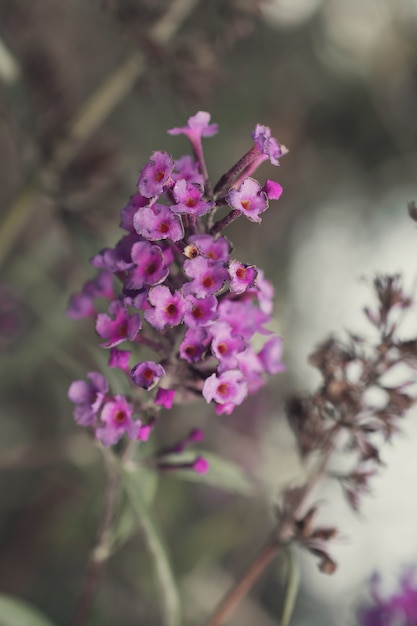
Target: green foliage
{"type": "Point", "coordinates": [15, 612]}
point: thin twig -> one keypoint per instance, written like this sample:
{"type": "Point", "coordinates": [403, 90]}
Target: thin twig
{"type": "Point", "coordinates": [282, 536]}
{"type": "Point", "coordinates": [85, 122]}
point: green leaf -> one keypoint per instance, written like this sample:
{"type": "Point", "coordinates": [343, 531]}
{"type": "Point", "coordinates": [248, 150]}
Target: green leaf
{"type": "Point", "coordinates": [164, 576]}
{"type": "Point", "coordinates": [15, 612]}
{"type": "Point", "coordinates": [222, 473]}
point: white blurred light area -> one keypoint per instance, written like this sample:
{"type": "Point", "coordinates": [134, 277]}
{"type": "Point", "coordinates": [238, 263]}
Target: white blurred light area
{"type": "Point", "coordinates": [336, 249]}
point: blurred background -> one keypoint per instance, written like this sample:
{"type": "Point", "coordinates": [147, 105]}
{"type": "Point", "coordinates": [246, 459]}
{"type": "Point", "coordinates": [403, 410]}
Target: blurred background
{"type": "Point", "coordinates": [87, 91]}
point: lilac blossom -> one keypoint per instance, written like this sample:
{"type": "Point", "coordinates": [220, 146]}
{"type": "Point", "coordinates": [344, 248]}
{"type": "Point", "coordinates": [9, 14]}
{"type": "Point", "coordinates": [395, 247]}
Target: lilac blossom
{"type": "Point", "coordinates": [147, 374]}
{"type": "Point", "coordinates": [194, 345]}
{"type": "Point", "coordinates": [88, 397]}
{"type": "Point", "coordinates": [157, 222]}
{"type": "Point", "coordinates": [116, 418]}
{"type": "Point", "coordinates": [398, 610]}
{"type": "Point", "coordinates": [175, 291]}
{"type": "Point", "coordinates": [167, 308]}
{"type": "Point", "coordinates": [229, 388]}
{"type": "Point", "coordinates": [208, 278]}
{"type": "Point", "coordinates": [188, 197]}
{"type": "Point", "coordinates": [120, 327]}
{"type": "Point", "coordinates": [155, 174]}
{"type": "Point", "coordinates": [249, 199]}
{"type": "Point", "coordinates": [267, 145]}
{"type": "Point", "coordinates": [197, 126]}
{"type": "Point", "coordinates": [242, 276]}
{"type": "Point", "coordinates": [149, 268]}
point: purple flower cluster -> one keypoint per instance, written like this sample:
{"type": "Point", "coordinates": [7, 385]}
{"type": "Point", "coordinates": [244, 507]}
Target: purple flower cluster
{"type": "Point", "coordinates": [398, 610]}
{"type": "Point", "coordinates": [180, 293]}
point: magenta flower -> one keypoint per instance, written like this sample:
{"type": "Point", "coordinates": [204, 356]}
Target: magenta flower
{"type": "Point", "coordinates": [165, 397]}
{"type": "Point", "coordinates": [126, 214]}
{"type": "Point", "coordinates": [88, 397]}
{"type": "Point", "coordinates": [244, 318]}
{"type": "Point", "coordinates": [149, 268]}
{"type": "Point", "coordinates": [249, 200]}
{"type": "Point", "coordinates": [158, 222]}
{"type": "Point", "coordinates": [194, 345]}
{"type": "Point", "coordinates": [213, 249]}
{"type": "Point", "coordinates": [81, 305]}
{"type": "Point", "coordinates": [202, 311]}
{"type": "Point", "coordinates": [198, 126]}
{"type": "Point", "coordinates": [272, 189]}
{"type": "Point", "coordinates": [186, 168]}
{"type": "Point", "coordinates": [188, 197]}
{"type": "Point", "coordinates": [398, 610]}
{"type": "Point", "coordinates": [116, 417]}
{"type": "Point", "coordinates": [117, 259]}
{"type": "Point", "coordinates": [229, 388]}
{"type": "Point", "coordinates": [168, 308]}
{"type": "Point", "coordinates": [201, 465]}
{"type": "Point", "coordinates": [271, 354]}
{"type": "Point", "coordinates": [119, 359]}
{"type": "Point", "coordinates": [155, 174]}
{"type": "Point", "coordinates": [241, 276]}
{"type": "Point", "coordinates": [147, 374]}
{"type": "Point", "coordinates": [120, 328]}
{"type": "Point", "coordinates": [267, 145]}
{"type": "Point", "coordinates": [225, 345]}
{"type": "Point", "coordinates": [208, 278]}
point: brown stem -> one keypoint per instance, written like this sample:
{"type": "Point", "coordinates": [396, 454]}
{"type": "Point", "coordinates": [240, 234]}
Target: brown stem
{"type": "Point", "coordinates": [101, 552]}
{"type": "Point", "coordinates": [283, 535]}
{"type": "Point", "coordinates": [240, 590]}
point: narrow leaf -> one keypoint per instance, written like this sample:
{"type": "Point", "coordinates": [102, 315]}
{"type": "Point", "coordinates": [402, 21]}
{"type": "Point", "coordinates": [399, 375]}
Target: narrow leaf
{"type": "Point", "coordinates": [15, 612]}
{"type": "Point", "coordinates": [222, 473]}
{"type": "Point", "coordinates": [293, 583]}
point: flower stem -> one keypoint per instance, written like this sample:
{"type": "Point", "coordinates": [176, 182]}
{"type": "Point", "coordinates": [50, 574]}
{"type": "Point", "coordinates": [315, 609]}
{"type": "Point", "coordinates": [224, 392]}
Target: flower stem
{"type": "Point", "coordinates": [261, 561]}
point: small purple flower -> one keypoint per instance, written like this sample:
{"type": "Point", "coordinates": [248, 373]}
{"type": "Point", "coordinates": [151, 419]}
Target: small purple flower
{"type": "Point", "coordinates": [398, 610]}
{"type": "Point", "coordinates": [194, 345]}
{"type": "Point", "coordinates": [88, 397]}
{"type": "Point", "coordinates": [155, 174]}
{"type": "Point", "coordinates": [225, 345]}
{"type": "Point", "coordinates": [158, 222]}
{"type": "Point", "coordinates": [249, 200]}
{"type": "Point", "coordinates": [188, 197]}
{"type": "Point", "coordinates": [272, 189]}
{"type": "Point", "coordinates": [271, 354]}
{"type": "Point", "coordinates": [228, 388]}
{"type": "Point", "coordinates": [203, 311]}
{"type": "Point", "coordinates": [119, 359]}
{"type": "Point", "coordinates": [267, 145]}
{"type": "Point", "coordinates": [241, 276]}
{"type": "Point", "coordinates": [119, 329]}
{"type": "Point", "coordinates": [147, 374]}
{"type": "Point", "coordinates": [198, 126]}
{"type": "Point", "coordinates": [117, 419]}
{"type": "Point", "coordinates": [208, 278]}
{"type": "Point", "coordinates": [149, 268]}
{"type": "Point", "coordinates": [265, 293]}
{"type": "Point", "coordinates": [213, 249]}
{"type": "Point", "coordinates": [126, 214]}
{"type": "Point", "coordinates": [168, 308]}
{"type": "Point", "coordinates": [81, 305]}
{"type": "Point", "coordinates": [117, 259]}
{"type": "Point", "coordinates": [244, 318]}
{"type": "Point", "coordinates": [187, 168]}
{"type": "Point", "coordinates": [201, 465]}
{"type": "Point", "coordinates": [165, 397]}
